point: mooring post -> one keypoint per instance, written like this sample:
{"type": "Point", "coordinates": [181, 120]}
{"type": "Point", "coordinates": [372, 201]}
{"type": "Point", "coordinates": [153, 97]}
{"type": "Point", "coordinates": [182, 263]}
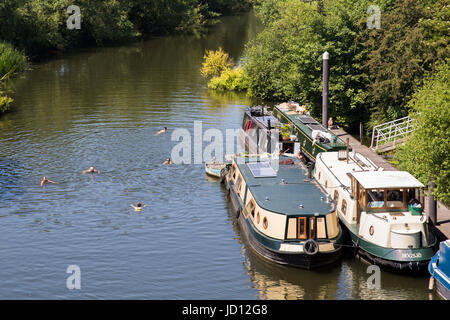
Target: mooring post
{"type": "Point", "coordinates": [325, 78]}
{"type": "Point", "coordinates": [431, 203]}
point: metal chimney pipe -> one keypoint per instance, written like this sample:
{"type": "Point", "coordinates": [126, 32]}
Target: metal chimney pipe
{"type": "Point", "coordinates": [325, 78]}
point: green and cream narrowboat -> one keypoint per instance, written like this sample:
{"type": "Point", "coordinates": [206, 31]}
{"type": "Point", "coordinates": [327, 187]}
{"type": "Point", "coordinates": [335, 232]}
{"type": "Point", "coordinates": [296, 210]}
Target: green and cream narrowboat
{"type": "Point", "coordinates": [376, 209]}
{"type": "Point", "coordinates": [285, 216]}
{"type": "Point", "coordinates": [311, 136]}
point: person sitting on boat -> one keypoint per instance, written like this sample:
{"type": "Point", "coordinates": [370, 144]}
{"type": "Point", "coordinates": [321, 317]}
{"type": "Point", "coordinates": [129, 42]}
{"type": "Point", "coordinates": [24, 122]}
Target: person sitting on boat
{"type": "Point", "coordinates": [164, 130]}
{"type": "Point", "coordinates": [91, 170]}
{"type": "Point", "coordinates": [168, 162]}
{"type": "Point", "coordinates": [45, 180]}
{"type": "Point", "coordinates": [138, 206]}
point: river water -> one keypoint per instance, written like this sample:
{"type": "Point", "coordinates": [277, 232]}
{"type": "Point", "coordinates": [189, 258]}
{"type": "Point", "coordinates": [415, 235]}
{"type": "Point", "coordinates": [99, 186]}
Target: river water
{"type": "Point", "coordinates": [101, 107]}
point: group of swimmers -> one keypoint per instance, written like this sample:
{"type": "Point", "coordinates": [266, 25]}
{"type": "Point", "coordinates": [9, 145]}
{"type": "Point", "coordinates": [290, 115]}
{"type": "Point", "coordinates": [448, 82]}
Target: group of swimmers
{"type": "Point", "coordinates": [92, 170]}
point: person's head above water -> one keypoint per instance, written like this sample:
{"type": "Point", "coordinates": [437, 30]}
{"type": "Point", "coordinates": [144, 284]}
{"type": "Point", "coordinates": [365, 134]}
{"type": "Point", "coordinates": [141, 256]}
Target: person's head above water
{"type": "Point", "coordinates": [91, 169]}
{"type": "Point", "coordinates": [139, 204]}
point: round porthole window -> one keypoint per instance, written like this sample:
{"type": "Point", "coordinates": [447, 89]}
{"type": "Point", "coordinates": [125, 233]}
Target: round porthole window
{"type": "Point", "coordinates": [371, 230]}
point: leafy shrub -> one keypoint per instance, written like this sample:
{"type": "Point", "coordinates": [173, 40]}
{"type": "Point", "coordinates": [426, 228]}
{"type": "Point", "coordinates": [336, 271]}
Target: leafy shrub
{"type": "Point", "coordinates": [215, 62]}
{"type": "Point", "coordinates": [229, 79]}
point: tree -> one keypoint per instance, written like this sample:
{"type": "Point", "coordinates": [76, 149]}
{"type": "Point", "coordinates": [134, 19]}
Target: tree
{"type": "Point", "coordinates": [426, 154]}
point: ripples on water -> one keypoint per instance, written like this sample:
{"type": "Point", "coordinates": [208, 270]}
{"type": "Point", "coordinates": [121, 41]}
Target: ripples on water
{"type": "Point", "coordinates": [101, 108]}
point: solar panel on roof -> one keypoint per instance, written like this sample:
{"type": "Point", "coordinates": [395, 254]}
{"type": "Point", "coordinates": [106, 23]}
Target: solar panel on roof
{"type": "Point", "coordinates": [307, 119]}
{"type": "Point", "coordinates": [261, 169]}
{"type": "Point", "coordinates": [317, 127]}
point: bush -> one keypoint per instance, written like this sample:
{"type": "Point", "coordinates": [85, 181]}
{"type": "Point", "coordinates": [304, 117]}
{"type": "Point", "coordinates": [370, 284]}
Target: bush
{"type": "Point", "coordinates": [11, 60]}
{"type": "Point", "coordinates": [215, 63]}
{"type": "Point", "coordinates": [229, 79]}
{"type": "Point", "coordinates": [5, 102]}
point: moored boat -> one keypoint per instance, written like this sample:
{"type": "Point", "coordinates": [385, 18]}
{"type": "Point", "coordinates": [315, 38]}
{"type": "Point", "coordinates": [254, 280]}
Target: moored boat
{"type": "Point", "coordinates": [312, 136]}
{"type": "Point", "coordinates": [285, 216]}
{"type": "Point", "coordinates": [379, 209]}
{"type": "Point", "coordinates": [214, 168]}
{"type": "Point", "coordinates": [439, 268]}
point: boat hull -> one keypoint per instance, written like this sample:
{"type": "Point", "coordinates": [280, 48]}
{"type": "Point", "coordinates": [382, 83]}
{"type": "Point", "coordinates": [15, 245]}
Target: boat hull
{"type": "Point", "coordinates": [438, 270]}
{"type": "Point", "coordinates": [413, 261]}
{"type": "Point", "coordinates": [266, 247]}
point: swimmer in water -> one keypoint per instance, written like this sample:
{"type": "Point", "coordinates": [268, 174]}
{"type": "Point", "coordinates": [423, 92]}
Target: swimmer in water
{"type": "Point", "coordinates": [91, 170]}
{"type": "Point", "coordinates": [161, 131]}
{"type": "Point", "coordinates": [168, 162]}
{"type": "Point", "coordinates": [138, 206]}
{"type": "Point", "coordinates": [45, 180]}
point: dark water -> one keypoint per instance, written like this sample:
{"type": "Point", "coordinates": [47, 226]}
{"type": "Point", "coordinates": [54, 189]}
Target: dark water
{"type": "Point", "coordinates": [101, 107]}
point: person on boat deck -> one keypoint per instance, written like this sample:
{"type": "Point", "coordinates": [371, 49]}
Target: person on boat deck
{"type": "Point", "coordinates": [138, 206]}
{"type": "Point", "coordinates": [91, 170]}
{"type": "Point", "coordinates": [45, 180]}
{"type": "Point", "coordinates": [330, 122]}
{"type": "Point", "coordinates": [164, 130]}
{"type": "Point", "coordinates": [168, 162]}
{"type": "Point", "coordinates": [301, 157]}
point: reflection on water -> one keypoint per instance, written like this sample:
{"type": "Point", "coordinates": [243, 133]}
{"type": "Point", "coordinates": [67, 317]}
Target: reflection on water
{"type": "Point", "coordinates": [101, 107]}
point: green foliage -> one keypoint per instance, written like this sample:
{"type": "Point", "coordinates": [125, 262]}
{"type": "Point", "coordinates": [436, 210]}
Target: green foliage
{"type": "Point", "coordinates": [398, 61]}
{"type": "Point", "coordinates": [11, 60]}
{"type": "Point", "coordinates": [426, 153]}
{"type": "Point", "coordinates": [39, 26]}
{"type": "Point", "coordinates": [373, 73]}
{"type": "Point", "coordinates": [5, 102]}
{"type": "Point", "coordinates": [229, 79]}
{"type": "Point", "coordinates": [215, 62]}
{"type": "Point", "coordinates": [285, 62]}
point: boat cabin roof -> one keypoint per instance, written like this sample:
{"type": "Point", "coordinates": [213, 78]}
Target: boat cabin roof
{"type": "Point", "coordinates": [340, 167]}
{"type": "Point", "coordinates": [386, 179]}
{"type": "Point", "coordinates": [308, 124]}
{"type": "Point", "coordinates": [295, 196]}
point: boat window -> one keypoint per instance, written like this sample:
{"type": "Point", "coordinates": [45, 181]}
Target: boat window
{"type": "Point", "coordinates": [312, 228]}
{"type": "Point", "coordinates": [321, 232]}
{"type": "Point", "coordinates": [395, 198]}
{"type": "Point", "coordinates": [249, 208]}
{"type": "Point", "coordinates": [257, 218]}
{"type": "Point", "coordinates": [233, 172]}
{"type": "Point", "coordinates": [344, 207]}
{"type": "Point", "coordinates": [265, 223]}
{"type": "Point", "coordinates": [336, 196]}
{"type": "Point", "coordinates": [326, 184]}
{"type": "Point", "coordinates": [238, 185]}
{"type": "Point", "coordinates": [375, 198]}
{"type": "Point", "coordinates": [319, 175]}
{"type": "Point", "coordinates": [302, 228]}
{"type": "Point", "coordinates": [292, 228]}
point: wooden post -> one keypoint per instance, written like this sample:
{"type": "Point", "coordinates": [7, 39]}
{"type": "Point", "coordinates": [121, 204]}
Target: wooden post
{"type": "Point", "coordinates": [348, 147]}
{"type": "Point", "coordinates": [431, 203]}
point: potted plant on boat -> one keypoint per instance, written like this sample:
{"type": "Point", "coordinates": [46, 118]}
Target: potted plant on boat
{"type": "Point", "coordinates": [285, 132]}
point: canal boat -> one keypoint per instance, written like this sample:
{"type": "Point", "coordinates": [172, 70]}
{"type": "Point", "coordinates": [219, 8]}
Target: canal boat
{"type": "Point", "coordinates": [214, 168]}
{"type": "Point", "coordinates": [439, 268]}
{"type": "Point", "coordinates": [285, 216]}
{"type": "Point", "coordinates": [311, 136]}
{"type": "Point", "coordinates": [380, 210]}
